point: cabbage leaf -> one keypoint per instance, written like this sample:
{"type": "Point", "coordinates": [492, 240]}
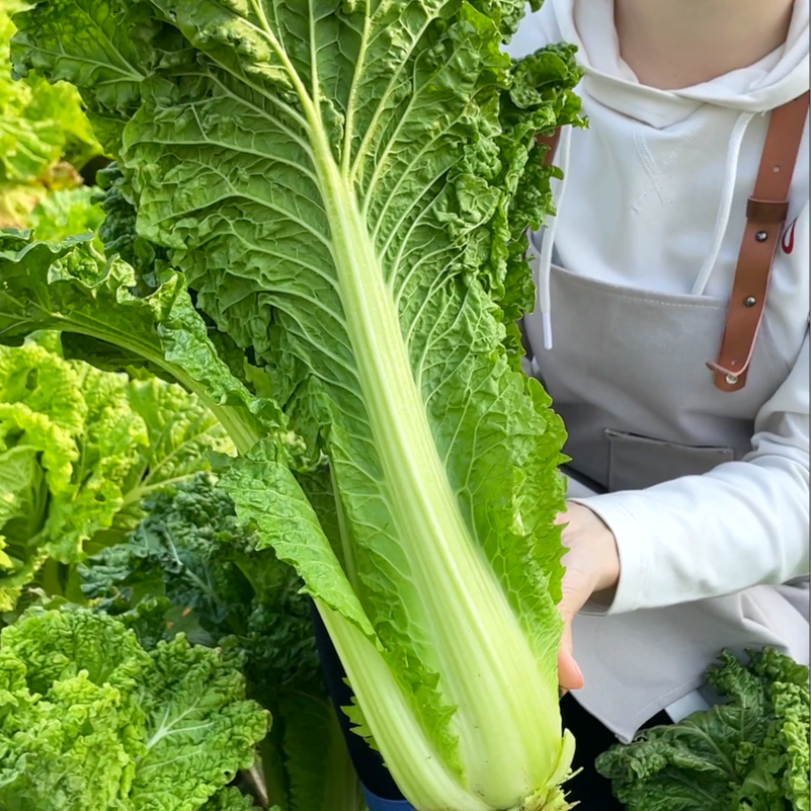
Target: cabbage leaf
{"type": "Point", "coordinates": [750, 751]}
{"type": "Point", "coordinates": [45, 136]}
{"type": "Point", "coordinates": [190, 567]}
{"type": "Point", "coordinates": [94, 722]}
{"type": "Point", "coordinates": [79, 450]}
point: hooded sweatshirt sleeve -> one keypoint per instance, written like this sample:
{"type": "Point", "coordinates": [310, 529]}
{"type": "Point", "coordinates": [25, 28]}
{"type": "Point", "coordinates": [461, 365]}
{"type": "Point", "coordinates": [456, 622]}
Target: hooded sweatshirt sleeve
{"type": "Point", "coordinates": [677, 540]}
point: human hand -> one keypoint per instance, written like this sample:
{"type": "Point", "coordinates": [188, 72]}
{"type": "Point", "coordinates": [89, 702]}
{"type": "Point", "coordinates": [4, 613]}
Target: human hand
{"type": "Point", "coordinates": [592, 565]}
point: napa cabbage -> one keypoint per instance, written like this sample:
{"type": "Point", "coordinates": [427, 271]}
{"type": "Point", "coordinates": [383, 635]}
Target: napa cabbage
{"type": "Point", "coordinates": [93, 722]}
{"type": "Point", "coordinates": [45, 139]}
{"type": "Point", "coordinates": [337, 194]}
{"type": "Point", "coordinates": [79, 450]}
{"type": "Point", "coordinates": [189, 567]}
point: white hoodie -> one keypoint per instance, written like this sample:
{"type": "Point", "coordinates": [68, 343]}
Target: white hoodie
{"type": "Point", "coordinates": [653, 199]}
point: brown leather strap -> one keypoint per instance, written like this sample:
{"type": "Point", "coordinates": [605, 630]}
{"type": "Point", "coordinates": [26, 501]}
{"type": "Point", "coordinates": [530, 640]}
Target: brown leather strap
{"type": "Point", "coordinates": [766, 213]}
{"type": "Point", "coordinates": [551, 143]}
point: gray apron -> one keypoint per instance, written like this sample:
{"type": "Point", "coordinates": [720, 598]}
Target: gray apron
{"type": "Point", "coordinates": [627, 376]}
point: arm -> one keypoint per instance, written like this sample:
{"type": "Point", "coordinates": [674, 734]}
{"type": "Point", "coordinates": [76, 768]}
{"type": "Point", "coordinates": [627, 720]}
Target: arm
{"type": "Point", "coordinates": [743, 524]}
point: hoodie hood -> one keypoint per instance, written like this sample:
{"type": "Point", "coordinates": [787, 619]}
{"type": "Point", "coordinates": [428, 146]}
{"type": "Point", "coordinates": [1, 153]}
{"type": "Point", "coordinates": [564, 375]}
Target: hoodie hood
{"type": "Point", "coordinates": [775, 80]}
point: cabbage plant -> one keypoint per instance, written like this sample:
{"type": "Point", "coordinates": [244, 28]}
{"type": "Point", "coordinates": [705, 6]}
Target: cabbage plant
{"type": "Point", "coordinates": [344, 187]}
{"type": "Point", "coordinates": [93, 722]}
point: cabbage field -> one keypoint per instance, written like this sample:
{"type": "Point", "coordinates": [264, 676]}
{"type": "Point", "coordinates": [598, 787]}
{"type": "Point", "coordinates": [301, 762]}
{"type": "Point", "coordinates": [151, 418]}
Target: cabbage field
{"type": "Point", "coordinates": [261, 264]}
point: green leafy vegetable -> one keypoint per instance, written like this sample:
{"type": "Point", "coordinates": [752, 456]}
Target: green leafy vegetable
{"type": "Point", "coordinates": [66, 212]}
{"type": "Point", "coordinates": [317, 772]}
{"type": "Point", "coordinates": [71, 287]}
{"type": "Point", "coordinates": [191, 549]}
{"type": "Point", "coordinates": [79, 450]}
{"type": "Point", "coordinates": [232, 799]}
{"type": "Point", "coordinates": [93, 722]}
{"type": "Point", "coordinates": [44, 135]}
{"type": "Point", "coordinates": [750, 752]}
{"type": "Point", "coordinates": [345, 187]}
{"type": "Point", "coordinates": [189, 566]}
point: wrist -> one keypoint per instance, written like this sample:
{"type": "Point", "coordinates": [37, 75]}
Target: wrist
{"type": "Point", "coordinates": [587, 528]}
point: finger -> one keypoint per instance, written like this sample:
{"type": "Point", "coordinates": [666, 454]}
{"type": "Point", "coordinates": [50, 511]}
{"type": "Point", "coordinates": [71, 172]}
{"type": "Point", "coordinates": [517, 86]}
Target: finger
{"type": "Point", "coordinates": [563, 520]}
{"type": "Point", "coordinates": [570, 676]}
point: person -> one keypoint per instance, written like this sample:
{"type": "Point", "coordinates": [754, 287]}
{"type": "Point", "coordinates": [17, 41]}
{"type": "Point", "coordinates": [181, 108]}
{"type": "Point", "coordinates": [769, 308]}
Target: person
{"type": "Point", "coordinates": [693, 532]}
{"type": "Point", "coordinates": [671, 330]}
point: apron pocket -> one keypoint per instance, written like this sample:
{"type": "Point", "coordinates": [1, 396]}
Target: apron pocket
{"type": "Point", "coordinates": [636, 462]}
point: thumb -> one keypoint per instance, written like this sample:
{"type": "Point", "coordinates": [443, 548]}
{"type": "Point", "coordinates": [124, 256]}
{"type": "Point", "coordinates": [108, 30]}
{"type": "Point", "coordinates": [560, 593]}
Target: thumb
{"type": "Point", "coordinates": [569, 673]}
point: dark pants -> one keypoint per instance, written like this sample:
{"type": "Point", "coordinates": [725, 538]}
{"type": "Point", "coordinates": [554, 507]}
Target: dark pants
{"type": "Point", "coordinates": [592, 791]}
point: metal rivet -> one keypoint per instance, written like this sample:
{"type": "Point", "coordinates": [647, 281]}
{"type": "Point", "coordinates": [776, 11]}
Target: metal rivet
{"type": "Point", "coordinates": [761, 236]}
{"type": "Point", "coordinates": [731, 379]}
{"type": "Point", "coordinates": [749, 301]}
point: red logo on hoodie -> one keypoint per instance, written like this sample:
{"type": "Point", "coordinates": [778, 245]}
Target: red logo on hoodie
{"type": "Point", "coordinates": [788, 238]}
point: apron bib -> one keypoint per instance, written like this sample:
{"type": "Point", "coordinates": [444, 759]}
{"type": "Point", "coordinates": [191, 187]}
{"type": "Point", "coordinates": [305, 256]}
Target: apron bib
{"type": "Point", "coordinates": [628, 375]}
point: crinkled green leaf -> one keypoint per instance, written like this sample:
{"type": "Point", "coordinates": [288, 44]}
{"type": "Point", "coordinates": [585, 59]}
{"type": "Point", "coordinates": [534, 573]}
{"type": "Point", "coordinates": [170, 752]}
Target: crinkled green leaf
{"type": "Point", "coordinates": [118, 231]}
{"type": "Point", "coordinates": [749, 752]}
{"type": "Point", "coordinates": [320, 773]}
{"type": "Point", "coordinates": [215, 584]}
{"type": "Point", "coordinates": [42, 126]}
{"type": "Point", "coordinates": [92, 722]}
{"type": "Point", "coordinates": [231, 799]}
{"type": "Point", "coordinates": [265, 494]}
{"type": "Point", "coordinates": [69, 286]}
{"type": "Point", "coordinates": [190, 548]}
{"type": "Point", "coordinates": [28, 148]}
{"type": "Point", "coordinates": [181, 434]}
{"type": "Point", "coordinates": [41, 414]}
{"type": "Point", "coordinates": [79, 450]}
{"type": "Point", "coordinates": [65, 213]}
{"type": "Point", "coordinates": [98, 54]}
{"type": "Point", "coordinates": [199, 730]}
{"type": "Point", "coordinates": [112, 442]}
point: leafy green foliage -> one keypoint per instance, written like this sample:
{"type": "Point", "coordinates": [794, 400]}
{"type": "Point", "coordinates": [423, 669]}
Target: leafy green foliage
{"type": "Point", "coordinates": [232, 799]}
{"type": "Point", "coordinates": [191, 549]}
{"type": "Point", "coordinates": [316, 773]}
{"type": "Point", "coordinates": [122, 319]}
{"type": "Point", "coordinates": [344, 187]}
{"type": "Point", "coordinates": [66, 212]}
{"type": "Point", "coordinates": [190, 567]}
{"type": "Point", "coordinates": [79, 450]}
{"type": "Point", "coordinates": [44, 136]}
{"type": "Point", "coordinates": [749, 752]}
{"type": "Point", "coordinates": [118, 230]}
{"type": "Point", "coordinates": [94, 722]}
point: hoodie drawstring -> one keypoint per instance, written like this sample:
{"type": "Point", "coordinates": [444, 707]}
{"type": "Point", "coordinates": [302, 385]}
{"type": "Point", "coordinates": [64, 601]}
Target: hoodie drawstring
{"type": "Point", "coordinates": [543, 280]}
{"type": "Point", "coordinates": [725, 206]}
